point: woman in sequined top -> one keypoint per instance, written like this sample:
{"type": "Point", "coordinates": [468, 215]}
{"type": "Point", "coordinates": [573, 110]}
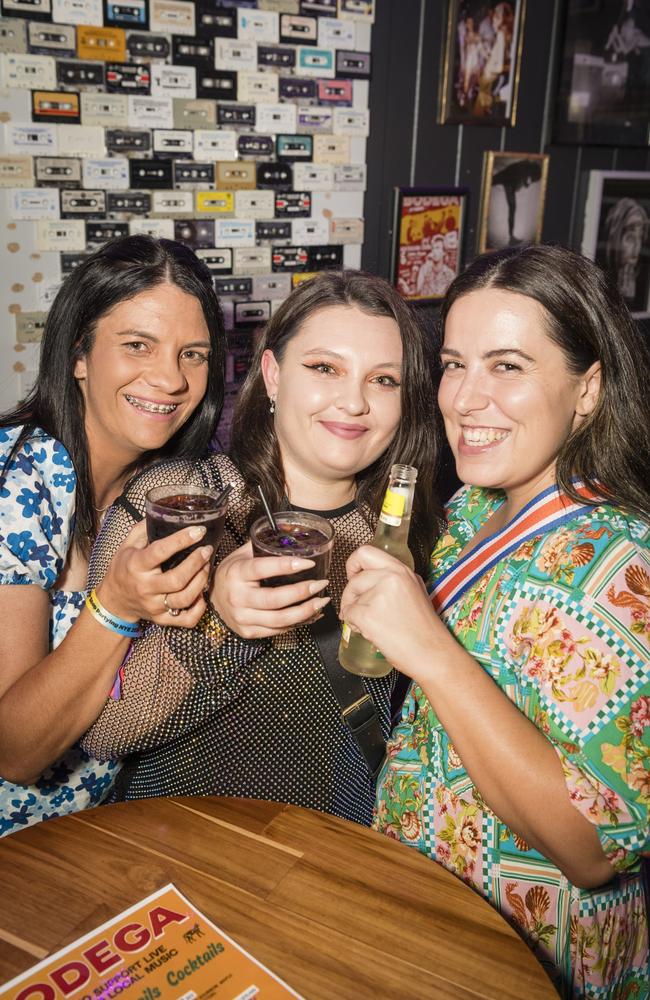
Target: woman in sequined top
{"type": "Point", "coordinates": [341, 387]}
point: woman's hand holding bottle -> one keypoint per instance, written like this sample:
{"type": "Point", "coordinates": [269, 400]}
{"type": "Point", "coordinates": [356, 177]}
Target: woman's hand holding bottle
{"type": "Point", "coordinates": [388, 604]}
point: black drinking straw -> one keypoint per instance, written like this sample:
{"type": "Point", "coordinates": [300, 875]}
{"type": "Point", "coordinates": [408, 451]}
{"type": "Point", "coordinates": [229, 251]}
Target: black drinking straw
{"type": "Point", "coordinates": [223, 495]}
{"type": "Point", "coordinates": [267, 509]}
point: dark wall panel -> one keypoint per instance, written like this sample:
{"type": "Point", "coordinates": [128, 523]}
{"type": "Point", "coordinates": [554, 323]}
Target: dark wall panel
{"type": "Point", "coordinates": [527, 132]}
{"type": "Point", "coordinates": [407, 146]}
{"type": "Point", "coordinates": [564, 167]}
{"type": "Point", "coordinates": [395, 48]}
{"type": "Point", "coordinates": [436, 145]}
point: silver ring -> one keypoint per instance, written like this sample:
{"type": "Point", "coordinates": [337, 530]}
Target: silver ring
{"type": "Point", "coordinates": [170, 611]}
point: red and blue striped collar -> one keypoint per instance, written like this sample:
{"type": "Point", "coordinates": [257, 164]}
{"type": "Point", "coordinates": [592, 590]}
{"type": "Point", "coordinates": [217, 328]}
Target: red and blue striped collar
{"type": "Point", "coordinates": [545, 512]}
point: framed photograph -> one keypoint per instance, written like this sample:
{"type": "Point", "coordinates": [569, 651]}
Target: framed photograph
{"type": "Point", "coordinates": [427, 241]}
{"type": "Point", "coordinates": [482, 61]}
{"type": "Point", "coordinates": [512, 202]}
{"type": "Point", "coordinates": [604, 77]}
{"type": "Point", "coordinates": [616, 232]}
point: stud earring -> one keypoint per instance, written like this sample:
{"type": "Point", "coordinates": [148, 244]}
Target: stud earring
{"type": "Point", "coordinates": [271, 404]}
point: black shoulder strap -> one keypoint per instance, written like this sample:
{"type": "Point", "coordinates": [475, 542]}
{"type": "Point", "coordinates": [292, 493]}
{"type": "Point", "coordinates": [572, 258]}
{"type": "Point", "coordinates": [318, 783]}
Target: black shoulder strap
{"type": "Point", "coordinates": [129, 508]}
{"type": "Point", "coordinates": [357, 707]}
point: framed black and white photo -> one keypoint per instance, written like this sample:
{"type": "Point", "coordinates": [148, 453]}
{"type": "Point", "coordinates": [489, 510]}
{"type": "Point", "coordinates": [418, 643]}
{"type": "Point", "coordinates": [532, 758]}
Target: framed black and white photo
{"type": "Point", "coordinates": [512, 202]}
{"type": "Point", "coordinates": [616, 232]}
{"type": "Point", "coordinates": [482, 61]}
{"type": "Point", "coordinates": [427, 241]}
{"type": "Point", "coordinates": [604, 78]}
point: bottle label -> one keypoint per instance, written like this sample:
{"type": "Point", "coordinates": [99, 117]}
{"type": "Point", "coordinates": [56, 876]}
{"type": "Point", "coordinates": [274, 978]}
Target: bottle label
{"type": "Point", "coordinates": [394, 503]}
{"type": "Point", "coordinates": [393, 507]}
{"type": "Point", "coordinates": [346, 632]}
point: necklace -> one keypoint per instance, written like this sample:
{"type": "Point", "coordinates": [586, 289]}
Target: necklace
{"type": "Point", "coordinates": [100, 510]}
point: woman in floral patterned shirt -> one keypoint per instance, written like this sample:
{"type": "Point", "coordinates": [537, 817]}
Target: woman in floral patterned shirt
{"type": "Point", "coordinates": [521, 760]}
{"type": "Point", "coordinates": [131, 369]}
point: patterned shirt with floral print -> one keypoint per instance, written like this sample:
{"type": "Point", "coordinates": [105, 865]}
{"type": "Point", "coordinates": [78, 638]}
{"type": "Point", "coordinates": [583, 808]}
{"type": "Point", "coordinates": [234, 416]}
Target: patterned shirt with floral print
{"type": "Point", "coordinates": [37, 503]}
{"type": "Point", "coordinates": [562, 625]}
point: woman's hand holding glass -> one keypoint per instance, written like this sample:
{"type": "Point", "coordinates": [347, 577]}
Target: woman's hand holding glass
{"type": "Point", "coordinates": [388, 604]}
{"type": "Point", "coordinates": [254, 611]}
{"type": "Point", "coordinates": [135, 587]}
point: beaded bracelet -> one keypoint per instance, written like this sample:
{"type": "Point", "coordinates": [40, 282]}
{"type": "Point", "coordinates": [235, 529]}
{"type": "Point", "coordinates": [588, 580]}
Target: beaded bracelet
{"type": "Point", "coordinates": [131, 630]}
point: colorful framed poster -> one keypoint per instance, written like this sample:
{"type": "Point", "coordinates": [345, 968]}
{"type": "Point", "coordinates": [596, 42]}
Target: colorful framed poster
{"type": "Point", "coordinates": [482, 62]}
{"type": "Point", "coordinates": [427, 240]}
{"type": "Point", "coordinates": [512, 202]}
{"type": "Point", "coordinates": [616, 232]}
{"type": "Point", "coordinates": [604, 77]}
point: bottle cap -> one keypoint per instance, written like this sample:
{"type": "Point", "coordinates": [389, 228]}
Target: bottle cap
{"type": "Point", "coordinates": [407, 473]}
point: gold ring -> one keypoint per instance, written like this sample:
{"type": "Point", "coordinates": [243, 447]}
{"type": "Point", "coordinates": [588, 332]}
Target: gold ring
{"type": "Point", "coordinates": [170, 611]}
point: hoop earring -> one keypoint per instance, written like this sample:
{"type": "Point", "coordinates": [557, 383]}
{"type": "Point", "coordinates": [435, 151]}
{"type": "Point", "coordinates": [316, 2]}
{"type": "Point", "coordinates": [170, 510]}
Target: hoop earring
{"type": "Point", "coordinates": [271, 404]}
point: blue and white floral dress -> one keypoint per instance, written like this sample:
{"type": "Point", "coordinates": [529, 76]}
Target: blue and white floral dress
{"type": "Point", "coordinates": [37, 504]}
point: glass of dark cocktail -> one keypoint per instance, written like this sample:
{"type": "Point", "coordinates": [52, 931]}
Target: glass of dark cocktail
{"type": "Point", "coordinates": [297, 534]}
{"type": "Point", "coordinates": [170, 508]}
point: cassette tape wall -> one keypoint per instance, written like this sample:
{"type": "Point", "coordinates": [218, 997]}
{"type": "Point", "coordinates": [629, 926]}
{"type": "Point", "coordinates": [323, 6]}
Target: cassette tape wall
{"type": "Point", "coordinates": [238, 128]}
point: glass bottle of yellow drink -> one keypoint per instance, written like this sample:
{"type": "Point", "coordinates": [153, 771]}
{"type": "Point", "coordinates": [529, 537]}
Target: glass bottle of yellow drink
{"type": "Point", "coordinates": [356, 654]}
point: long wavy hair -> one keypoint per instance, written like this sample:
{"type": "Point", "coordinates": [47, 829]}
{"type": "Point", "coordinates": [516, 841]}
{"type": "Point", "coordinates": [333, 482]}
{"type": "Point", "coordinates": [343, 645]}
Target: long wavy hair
{"type": "Point", "coordinates": [118, 271]}
{"type": "Point", "coordinates": [254, 445]}
{"type": "Point", "coordinates": [588, 320]}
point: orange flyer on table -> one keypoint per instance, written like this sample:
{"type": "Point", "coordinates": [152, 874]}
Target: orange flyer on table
{"type": "Point", "coordinates": [161, 947]}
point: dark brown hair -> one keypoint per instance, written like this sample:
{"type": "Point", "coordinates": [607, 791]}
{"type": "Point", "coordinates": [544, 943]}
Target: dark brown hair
{"type": "Point", "coordinates": [118, 271]}
{"type": "Point", "coordinates": [588, 320]}
{"type": "Point", "coordinates": [254, 446]}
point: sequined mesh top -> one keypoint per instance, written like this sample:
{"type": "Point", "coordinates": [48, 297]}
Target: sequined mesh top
{"type": "Point", "coordinates": [204, 712]}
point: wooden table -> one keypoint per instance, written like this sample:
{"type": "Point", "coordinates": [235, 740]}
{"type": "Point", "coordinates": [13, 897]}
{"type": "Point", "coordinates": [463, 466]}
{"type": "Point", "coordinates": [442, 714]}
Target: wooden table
{"type": "Point", "coordinates": [336, 910]}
